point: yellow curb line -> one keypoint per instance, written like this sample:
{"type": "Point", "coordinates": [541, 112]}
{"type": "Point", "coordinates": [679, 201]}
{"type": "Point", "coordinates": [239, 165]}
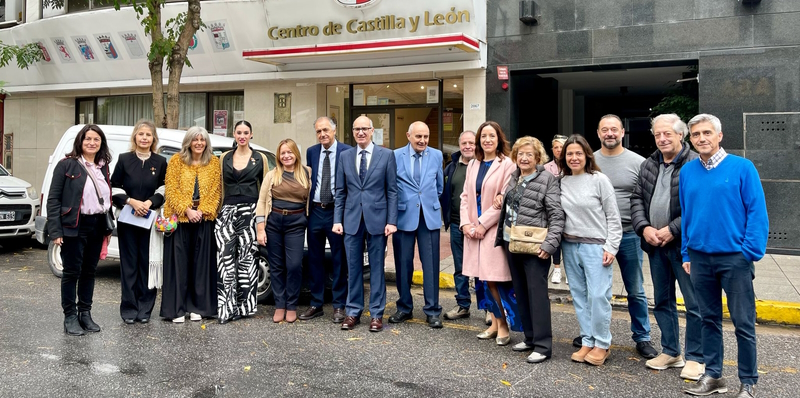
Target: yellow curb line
{"type": "Point", "coordinates": [446, 280]}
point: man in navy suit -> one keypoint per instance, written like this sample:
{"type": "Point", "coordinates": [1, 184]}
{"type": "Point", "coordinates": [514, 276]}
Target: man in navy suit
{"type": "Point", "coordinates": [323, 161]}
{"type": "Point", "coordinates": [420, 181]}
{"type": "Point", "coordinates": [366, 206]}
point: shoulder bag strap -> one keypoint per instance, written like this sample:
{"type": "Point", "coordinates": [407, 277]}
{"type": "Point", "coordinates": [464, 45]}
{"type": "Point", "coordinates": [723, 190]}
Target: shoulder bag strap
{"type": "Point", "coordinates": [94, 182]}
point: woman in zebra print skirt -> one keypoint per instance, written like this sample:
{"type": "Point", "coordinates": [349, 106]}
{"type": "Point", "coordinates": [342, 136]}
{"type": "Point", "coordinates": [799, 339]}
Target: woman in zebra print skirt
{"type": "Point", "coordinates": [242, 172]}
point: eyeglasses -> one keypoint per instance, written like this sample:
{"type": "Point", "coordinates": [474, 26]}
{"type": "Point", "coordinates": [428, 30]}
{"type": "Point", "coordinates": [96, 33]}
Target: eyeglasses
{"type": "Point", "coordinates": [360, 129]}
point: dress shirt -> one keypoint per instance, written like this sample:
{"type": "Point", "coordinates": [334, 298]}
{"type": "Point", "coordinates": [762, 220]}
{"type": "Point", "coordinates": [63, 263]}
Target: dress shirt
{"type": "Point", "coordinates": [91, 205]}
{"type": "Point", "coordinates": [714, 160]}
{"type": "Point", "coordinates": [370, 149]}
{"type": "Point", "coordinates": [414, 162]}
{"type": "Point", "coordinates": [332, 158]}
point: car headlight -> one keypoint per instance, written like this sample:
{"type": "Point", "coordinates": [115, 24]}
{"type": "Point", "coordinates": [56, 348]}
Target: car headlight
{"type": "Point", "coordinates": [31, 192]}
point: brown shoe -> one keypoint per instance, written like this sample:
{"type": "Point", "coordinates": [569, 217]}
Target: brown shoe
{"type": "Point", "coordinates": [291, 316]}
{"type": "Point", "coordinates": [375, 325]}
{"type": "Point", "coordinates": [350, 323]}
{"type": "Point", "coordinates": [597, 356]}
{"type": "Point", "coordinates": [280, 313]}
{"type": "Point", "coordinates": [580, 355]}
{"type": "Point", "coordinates": [311, 313]}
{"type": "Point", "coordinates": [338, 315]}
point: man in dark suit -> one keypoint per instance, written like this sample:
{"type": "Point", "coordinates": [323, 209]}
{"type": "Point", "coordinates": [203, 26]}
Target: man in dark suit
{"type": "Point", "coordinates": [323, 159]}
{"type": "Point", "coordinates": [419, 183]}
{"type": "Point", "coordinates": [366, 187]}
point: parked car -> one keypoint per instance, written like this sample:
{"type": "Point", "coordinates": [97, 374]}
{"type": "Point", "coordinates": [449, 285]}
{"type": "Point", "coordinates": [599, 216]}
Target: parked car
{"type": "Point", "coordinates": [118, 138]}
{"type": "Point", "coordinates": [18, 206]}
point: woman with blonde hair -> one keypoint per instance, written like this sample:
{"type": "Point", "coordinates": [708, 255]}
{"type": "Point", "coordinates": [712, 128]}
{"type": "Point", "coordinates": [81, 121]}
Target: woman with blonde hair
{"type": "Point", "coordinates": [281, 220]}
{"type": "Point", "coordinates": [138, 181]}
{"type": "Point", "coordinates": [193, 188]}
{"type": "Point", "coordinates": [532, 199]}
{"type": "Point", "coordinates": [487, 175]}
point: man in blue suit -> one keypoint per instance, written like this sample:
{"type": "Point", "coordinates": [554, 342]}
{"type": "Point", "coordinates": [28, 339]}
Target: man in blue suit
{"type": "Point", "coordinates": [420, 181]}
{"type": "Point", "coordinates": [366, 206]}
{"type": "Point", "coordinates": [323, 159]}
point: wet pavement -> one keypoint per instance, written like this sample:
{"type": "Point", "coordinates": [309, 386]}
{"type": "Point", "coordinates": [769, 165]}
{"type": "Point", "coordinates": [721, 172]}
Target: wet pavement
{"type": "Point", "coordinates": [255, 357]}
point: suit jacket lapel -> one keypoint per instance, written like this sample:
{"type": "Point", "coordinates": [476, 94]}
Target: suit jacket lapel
{"type": "Point", "coordinates": [404, 167]}
{"type": "Point", "coordinates": [373, 162]}
{"type": "Point", "coordinates": [425, 160]}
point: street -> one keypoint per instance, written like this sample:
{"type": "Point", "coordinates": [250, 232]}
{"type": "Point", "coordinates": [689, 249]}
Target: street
{"type": "Point", "coordinates": [255, 357]}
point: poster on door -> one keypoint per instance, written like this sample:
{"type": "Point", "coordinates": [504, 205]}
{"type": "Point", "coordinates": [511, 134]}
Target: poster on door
{"type": "Point", "coordinates": [220, 122]}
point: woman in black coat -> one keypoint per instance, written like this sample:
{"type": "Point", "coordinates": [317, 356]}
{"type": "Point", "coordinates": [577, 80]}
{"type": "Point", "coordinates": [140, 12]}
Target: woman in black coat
{"type": "Point", "coordinates": [77, 205]}
{"type": "Point", "coordinates": [138, 181]}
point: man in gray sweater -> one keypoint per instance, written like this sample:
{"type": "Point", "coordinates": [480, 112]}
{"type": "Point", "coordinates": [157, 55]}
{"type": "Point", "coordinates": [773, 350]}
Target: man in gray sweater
{"type": "Point", "coordinates": [622, 168]}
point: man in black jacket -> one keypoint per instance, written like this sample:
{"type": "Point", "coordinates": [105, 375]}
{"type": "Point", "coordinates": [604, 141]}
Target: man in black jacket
{"type": "Point", "coordinates": [454, 175]}
{"type": "Point", "coordinates": [656, 217]}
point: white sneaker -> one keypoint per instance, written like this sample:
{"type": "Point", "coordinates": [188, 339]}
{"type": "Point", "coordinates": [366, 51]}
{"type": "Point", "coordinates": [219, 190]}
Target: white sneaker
{"type": "Point", "coordinates": [665, 361]}
{"type": "Point", "coordinates": [556, 278]}
{"type": "Point", "coordinates": [195, 317]}
{"type": "Point", "coordinates": [181, 319]}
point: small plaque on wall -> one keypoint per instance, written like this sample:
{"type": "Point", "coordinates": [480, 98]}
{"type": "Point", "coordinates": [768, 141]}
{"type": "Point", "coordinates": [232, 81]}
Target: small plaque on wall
{"type": "Point", "coordinates": [283, 108]}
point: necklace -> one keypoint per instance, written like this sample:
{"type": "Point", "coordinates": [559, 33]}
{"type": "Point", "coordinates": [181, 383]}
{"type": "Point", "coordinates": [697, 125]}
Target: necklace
{"type": "Point", "coordinates": [142, 156]}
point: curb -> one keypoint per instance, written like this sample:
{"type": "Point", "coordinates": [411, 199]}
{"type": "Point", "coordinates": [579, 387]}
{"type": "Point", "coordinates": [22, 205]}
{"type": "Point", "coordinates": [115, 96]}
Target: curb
{"type": "Point", "coordinates": [767, 311]}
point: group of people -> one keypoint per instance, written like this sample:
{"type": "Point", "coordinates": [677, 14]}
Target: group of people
{"type": "Point", "coordinates": [593, 206]}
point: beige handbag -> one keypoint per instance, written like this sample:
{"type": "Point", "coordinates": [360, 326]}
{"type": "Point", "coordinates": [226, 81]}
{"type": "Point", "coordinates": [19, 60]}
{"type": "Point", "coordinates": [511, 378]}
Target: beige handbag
{"type": "Point", "coordinates": [526, 240]}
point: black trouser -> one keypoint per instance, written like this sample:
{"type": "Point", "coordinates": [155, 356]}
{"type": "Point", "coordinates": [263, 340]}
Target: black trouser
{"type": "Point", "coordinates": [79, 256]}
{"type": "Point", "coordinates": [285, 238]}
{"type": "Point", "coordinates": [190, 271]}
{"type": "Point", "coordinates": [529, 276]}
{"type": "Point", "coordinates": [320, 223]}
{"type": "Point", "coordinates": [134, 263]}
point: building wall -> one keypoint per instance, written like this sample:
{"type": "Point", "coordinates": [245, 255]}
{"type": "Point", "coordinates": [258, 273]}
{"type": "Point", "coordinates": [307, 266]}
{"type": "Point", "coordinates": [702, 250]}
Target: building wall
{"type": "Point", "coordinates": [748, 57]}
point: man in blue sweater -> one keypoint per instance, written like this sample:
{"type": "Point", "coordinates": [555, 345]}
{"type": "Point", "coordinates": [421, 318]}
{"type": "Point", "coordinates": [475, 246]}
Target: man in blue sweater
{"type": "Point", "coordinates": [725, 227]}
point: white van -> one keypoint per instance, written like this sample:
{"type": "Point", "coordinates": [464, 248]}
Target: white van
{"type": "Point", "coordinates": [119, 139]}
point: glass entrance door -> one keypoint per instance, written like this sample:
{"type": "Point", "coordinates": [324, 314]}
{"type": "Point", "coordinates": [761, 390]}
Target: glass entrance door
{"type": "Point", "coordinates": [383, 122]}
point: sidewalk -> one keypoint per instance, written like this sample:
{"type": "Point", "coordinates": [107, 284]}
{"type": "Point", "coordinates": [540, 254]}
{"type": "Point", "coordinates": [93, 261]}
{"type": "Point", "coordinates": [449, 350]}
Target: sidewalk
{"type": "Point", "coordinates": [777, 283]}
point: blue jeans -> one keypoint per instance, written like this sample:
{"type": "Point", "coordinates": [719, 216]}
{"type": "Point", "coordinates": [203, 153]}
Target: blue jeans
{"type": "Point", "coordinates": [710, 273]}
{"type": "Point", "coordinates": [630, 258]}
{"type": "Point", "coordinates": [666, 268]}
{"type": "Point", "coordinates": [590, 286]}
{"type": "Point", "coordinates": [462, 282]}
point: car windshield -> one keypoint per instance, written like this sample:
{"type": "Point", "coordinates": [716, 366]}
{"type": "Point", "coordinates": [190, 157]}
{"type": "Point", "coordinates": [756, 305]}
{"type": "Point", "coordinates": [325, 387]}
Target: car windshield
{"type": "Point", "coordinates": [3, 171]}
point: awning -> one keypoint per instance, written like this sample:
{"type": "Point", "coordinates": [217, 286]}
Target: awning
{"type": "Point", "coordinates": [388, 52]}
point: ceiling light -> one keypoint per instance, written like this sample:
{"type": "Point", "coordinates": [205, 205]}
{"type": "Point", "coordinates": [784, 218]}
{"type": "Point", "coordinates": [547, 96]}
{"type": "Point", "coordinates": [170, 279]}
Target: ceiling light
{"type": "Point", "coordinates": [455, 85]}
{"type": "Point", "coordinates": [422, 87]}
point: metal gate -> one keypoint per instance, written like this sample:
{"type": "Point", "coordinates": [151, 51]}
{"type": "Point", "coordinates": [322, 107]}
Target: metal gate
{"type": "Point", "coordinates": [772, 143]}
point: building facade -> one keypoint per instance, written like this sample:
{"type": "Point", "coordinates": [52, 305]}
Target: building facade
{"type": "Point", "coordinates": [581, 59]}
{"type": "Point", "coordinates": [279, 64]}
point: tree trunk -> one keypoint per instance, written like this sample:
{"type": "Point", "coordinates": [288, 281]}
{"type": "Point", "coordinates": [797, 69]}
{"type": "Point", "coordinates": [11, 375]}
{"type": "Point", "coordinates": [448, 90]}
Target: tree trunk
{"type": "Point", "coordinates": [156, 66]}
{"type": "Point", "coordinates": [176, 62]}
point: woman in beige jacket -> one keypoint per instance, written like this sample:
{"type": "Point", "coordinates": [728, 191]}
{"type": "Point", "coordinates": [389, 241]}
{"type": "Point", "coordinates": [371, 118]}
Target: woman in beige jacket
{"type": "Point", "coordinates": [281, 220]}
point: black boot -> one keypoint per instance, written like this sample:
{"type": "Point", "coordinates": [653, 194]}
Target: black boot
{"type": "Point", "coordinates": [85, 319]}
{"type": "Point", "coordinates": [72, 327]}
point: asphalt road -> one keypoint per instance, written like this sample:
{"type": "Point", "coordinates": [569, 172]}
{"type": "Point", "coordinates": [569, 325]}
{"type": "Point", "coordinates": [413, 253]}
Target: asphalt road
{"type": "Point", "coordinates": [255, 357]}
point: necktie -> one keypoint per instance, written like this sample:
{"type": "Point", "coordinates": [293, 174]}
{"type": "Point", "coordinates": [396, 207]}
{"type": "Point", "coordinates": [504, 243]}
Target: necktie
{"type": "Point", "coordinates": [362, 169]}
{"type": "Point", "coordinates": [417, 167]}
{"type": "Point", "coordinates": [325, 195]}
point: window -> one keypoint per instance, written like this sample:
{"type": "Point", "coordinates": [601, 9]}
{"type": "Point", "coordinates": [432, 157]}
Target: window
{"type": "Point", "coordinates": [126, 110]}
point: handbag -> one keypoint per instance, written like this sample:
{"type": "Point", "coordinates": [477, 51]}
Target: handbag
{"type": "Point", "coordinates": [167, 225]}
{"type": "Point", "coordinates": [110, 221]}
{"type": "Point", "coordinates": [526, 240]}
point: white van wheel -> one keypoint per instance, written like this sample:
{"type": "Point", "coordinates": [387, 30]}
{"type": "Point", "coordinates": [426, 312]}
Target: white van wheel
{"type": "Point", "coordinates": [54, 259]}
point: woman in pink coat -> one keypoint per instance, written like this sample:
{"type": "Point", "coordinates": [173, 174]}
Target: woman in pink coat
{"type": "Point", "coordinates": [486, 178]}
